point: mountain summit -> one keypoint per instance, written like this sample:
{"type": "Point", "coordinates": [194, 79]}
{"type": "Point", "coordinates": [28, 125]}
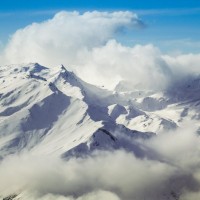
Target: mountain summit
{"type": "Point", "coordinates": [52, 111]}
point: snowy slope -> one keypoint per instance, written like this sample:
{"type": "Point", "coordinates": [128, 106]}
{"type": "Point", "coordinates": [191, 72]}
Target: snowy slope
{"type": "Point", "coordinates": [52, 111]}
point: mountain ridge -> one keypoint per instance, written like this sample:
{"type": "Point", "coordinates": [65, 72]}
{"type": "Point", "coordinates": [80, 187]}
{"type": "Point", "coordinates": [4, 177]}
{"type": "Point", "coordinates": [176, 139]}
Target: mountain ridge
{"type": "Point", "coordinates": [51, 110]}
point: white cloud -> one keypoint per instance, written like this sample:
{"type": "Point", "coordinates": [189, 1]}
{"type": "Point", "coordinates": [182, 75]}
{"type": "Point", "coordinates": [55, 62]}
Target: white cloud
{"type": "Point", "coordinates": [82, 41]}
{"type": "Point", "coordinates": [180, 147]}
{"type": "Point", "coordinates": [86, 43]}
{"type": "Point", "coordinates": [64, 37]}
{"type": "Point", "coordinates": [184, 64]}
{"type": "Point", "coordinates": [118, 175]}
{"type": "Point", "coordinates": [112, 175]}
{"type": "Point", "coordinates": [128, 63]}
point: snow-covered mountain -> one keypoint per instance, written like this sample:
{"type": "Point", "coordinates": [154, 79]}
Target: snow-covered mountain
{"type": "Point", "coordinates": [52, 111]}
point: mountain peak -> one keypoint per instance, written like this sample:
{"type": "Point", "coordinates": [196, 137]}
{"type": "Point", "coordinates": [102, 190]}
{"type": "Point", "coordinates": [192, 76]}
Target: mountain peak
{"type": "Point", "coordinates": [41, 106]}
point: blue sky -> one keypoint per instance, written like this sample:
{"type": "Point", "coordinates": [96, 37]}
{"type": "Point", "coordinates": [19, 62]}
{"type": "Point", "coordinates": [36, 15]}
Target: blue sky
{"type": "Point", "coordinates": [172, 25]}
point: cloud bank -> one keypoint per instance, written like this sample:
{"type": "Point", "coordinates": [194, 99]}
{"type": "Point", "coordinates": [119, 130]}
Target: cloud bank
{"type": "Point", "coordinates": [171, 173]}
{"type": "Point", "coordinates": [86, 42]}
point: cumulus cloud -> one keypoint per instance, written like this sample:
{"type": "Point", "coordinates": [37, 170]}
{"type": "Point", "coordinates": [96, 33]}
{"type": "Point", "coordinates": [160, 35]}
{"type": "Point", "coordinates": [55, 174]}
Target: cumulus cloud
{"type": "Point", "coordinates": [69, 38]}
{"type": "Point", "coordinates": [86, 43]}
{"type": "Point", "coordinates": [67, 35]}
{"type": "Point", "coordinates": [129, 63]}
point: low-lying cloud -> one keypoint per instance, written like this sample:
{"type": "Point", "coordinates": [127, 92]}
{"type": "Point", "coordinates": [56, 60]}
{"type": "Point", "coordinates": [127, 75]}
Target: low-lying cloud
{"type": "Point", "coordinates": [121, 174]}
{"type": "Point", "coordinates": [172, 172]}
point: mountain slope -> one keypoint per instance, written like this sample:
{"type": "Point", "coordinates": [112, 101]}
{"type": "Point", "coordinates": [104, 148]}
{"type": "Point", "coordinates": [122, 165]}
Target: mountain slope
{"type": "Point", "coordinates": [52, 111]}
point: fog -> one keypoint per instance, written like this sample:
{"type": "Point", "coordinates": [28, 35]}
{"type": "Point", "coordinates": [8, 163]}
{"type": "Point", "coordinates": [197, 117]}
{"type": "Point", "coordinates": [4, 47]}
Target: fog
{"type": "Point", "coordinates": [172, 170]}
